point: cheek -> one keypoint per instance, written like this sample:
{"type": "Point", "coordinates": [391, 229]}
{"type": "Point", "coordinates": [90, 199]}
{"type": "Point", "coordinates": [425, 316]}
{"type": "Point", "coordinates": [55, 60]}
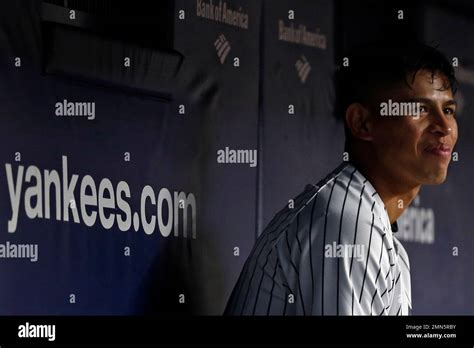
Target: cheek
{"type": "Point", "coordinates": [455, 132]}
{"type": "Point", "coordinates": [400, 134]}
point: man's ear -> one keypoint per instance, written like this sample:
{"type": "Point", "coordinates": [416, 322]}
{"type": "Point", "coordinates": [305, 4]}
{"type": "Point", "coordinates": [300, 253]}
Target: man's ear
{"type": "Point", "coordinates": [359, 122]}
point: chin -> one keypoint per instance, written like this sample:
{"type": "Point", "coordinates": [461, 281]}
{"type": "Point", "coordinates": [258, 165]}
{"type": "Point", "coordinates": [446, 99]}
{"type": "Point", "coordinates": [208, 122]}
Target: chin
{"type": "Point", "coordinates": [437, 181]}
{"type": "Point", "coordinates": [435, 178]}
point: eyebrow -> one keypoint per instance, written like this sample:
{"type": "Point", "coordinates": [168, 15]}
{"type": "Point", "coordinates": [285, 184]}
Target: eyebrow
{"type": "Point", "coordinates": [429, 101]}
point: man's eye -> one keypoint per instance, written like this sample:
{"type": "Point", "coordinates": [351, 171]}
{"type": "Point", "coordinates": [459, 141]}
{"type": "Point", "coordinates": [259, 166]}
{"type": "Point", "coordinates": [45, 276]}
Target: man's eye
{"type": "Point", "coordinates": [449, 111]}
{"type": "Point", "coordinates": [423, 108]}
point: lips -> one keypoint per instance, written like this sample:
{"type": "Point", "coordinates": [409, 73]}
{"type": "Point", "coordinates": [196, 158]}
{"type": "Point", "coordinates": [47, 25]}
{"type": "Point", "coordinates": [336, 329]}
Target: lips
{"type": "Point", "coordinates": [441, 150]}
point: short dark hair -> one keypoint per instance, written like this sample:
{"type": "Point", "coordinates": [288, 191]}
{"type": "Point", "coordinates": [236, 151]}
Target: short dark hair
{"type": "Point", "coordinates": [379, 65]}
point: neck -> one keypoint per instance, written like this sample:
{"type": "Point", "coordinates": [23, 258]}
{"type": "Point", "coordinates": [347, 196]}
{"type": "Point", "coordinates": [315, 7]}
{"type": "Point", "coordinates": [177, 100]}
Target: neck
{"type": "Point", "coordinates": [395, 194]}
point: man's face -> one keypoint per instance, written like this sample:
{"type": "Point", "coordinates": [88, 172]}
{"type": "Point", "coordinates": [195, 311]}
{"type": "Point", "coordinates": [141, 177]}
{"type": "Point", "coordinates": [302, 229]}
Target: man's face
{"type": "Point", "coordinates": [418, 150]}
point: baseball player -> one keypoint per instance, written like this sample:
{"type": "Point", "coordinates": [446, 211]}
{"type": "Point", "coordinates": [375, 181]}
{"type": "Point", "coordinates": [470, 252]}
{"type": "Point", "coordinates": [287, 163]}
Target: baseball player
{"type": "Point", "coordinates": [334, 251]}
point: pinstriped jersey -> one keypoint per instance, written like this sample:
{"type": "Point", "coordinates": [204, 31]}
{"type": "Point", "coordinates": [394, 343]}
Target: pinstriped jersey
{"type": "Point", "coordinates": [332, 252]}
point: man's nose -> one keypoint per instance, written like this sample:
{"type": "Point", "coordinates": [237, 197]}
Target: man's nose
{"type": "Point", "coordinates": [440, 122]}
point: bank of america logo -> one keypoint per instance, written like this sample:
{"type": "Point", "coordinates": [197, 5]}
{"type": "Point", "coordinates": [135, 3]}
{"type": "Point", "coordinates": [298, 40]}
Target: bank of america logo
{"type": "Point", "coordinates": [303, 68]}
{"type": "Point", "coordinates": [222, 48]}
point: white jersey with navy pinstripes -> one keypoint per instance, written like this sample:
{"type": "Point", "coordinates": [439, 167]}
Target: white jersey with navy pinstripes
{"type": "Point", "coordinates": [293, 268]}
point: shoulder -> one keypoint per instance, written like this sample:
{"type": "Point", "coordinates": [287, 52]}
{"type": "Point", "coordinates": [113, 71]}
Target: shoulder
{"type": "Point", "coordinates": [342, 207]}
{"type": "Point", "coordinates": [309, 201]}
{"type": "Point", "coordinates": [345, 204]}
